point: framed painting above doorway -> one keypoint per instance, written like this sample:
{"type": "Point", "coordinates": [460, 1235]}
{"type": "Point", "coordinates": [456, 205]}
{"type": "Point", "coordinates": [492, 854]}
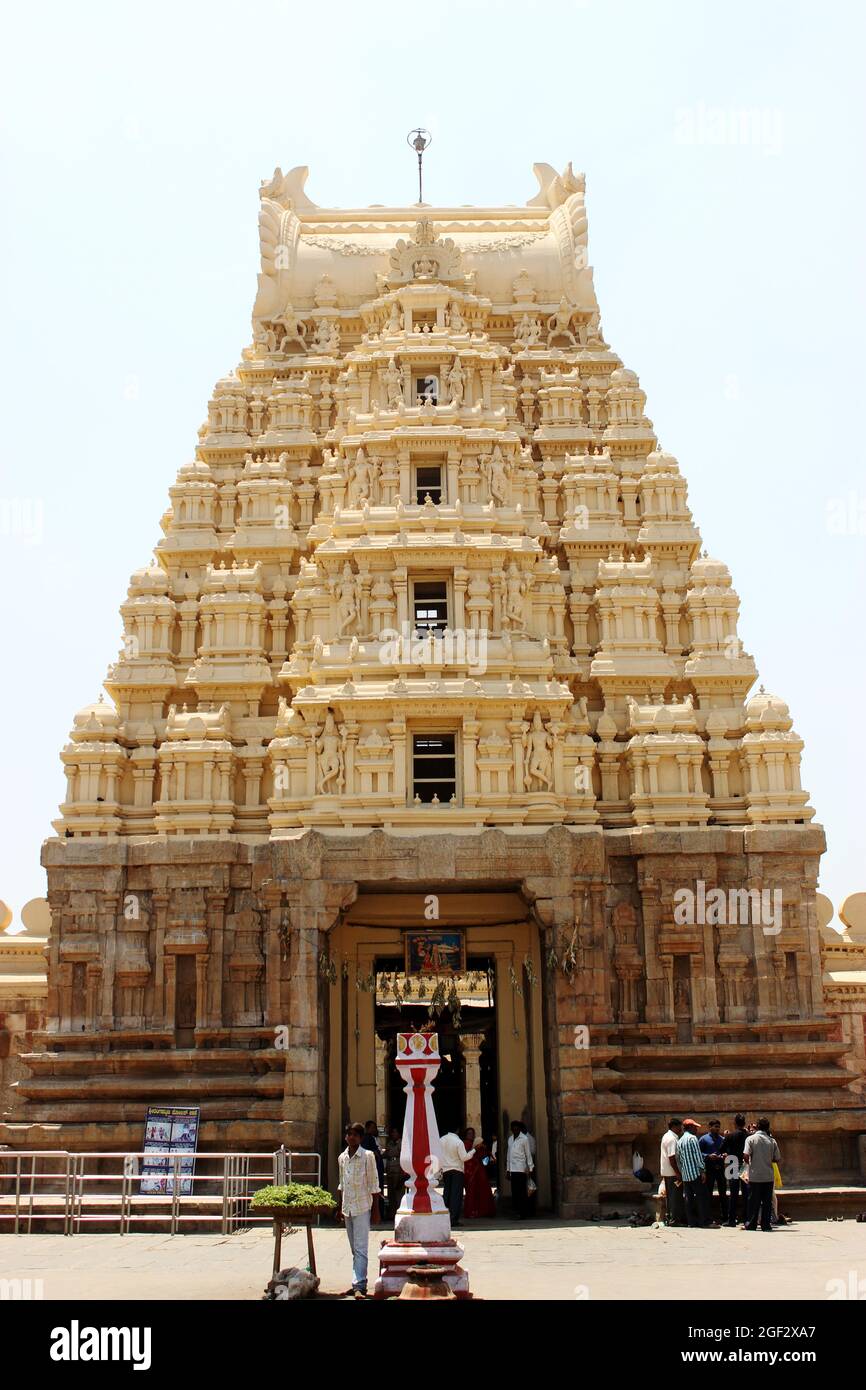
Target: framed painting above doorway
{"type": "Point", "coordinates": [434, 952]}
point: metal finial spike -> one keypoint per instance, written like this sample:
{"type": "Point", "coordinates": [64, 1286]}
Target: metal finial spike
{"type": "Point", "coordinates": [420, 140]}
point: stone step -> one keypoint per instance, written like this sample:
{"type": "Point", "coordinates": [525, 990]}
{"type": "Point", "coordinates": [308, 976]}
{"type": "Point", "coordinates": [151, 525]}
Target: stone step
{"type": "Point", "coordinates": [152, 1087]}
{"type": "Point", "coordinates": [815, 1078]}
{"type": "Point", "coordinates": [704, 1102]}
{"type": "Point", "coordinates": [688, 1054]}
{"type": "Point", "coordinates": [199, 1060]}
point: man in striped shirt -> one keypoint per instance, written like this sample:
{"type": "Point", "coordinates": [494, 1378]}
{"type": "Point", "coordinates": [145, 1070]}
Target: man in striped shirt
{"type": "Point", "coordinates": [690, 1162]}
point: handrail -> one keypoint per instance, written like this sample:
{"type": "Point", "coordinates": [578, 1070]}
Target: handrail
{"type": "Point", "coordinates": [72, 1186]}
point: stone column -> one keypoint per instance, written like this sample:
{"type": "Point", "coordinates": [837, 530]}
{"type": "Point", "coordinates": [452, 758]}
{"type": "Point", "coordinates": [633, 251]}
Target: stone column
{"type": "Point", "coordinates": [470, 1044]}
{"type": "Point", "coordinates": [382, 1048]}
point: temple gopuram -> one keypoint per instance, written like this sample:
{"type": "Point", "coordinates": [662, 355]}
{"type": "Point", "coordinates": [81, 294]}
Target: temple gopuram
{"type": "Point", "coordinates": [431, 705]}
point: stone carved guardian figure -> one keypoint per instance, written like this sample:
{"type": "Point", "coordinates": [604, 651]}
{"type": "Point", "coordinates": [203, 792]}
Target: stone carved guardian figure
{"type": "Point", "coordinates": [331, 758]}
{"type": "Point", "coordinates": [346, 598]}
{"type": "Point", "coordinates": [515, 590]}
{"type": "Point", "coordinates": [456, 321]}
{"type": "Point", "coordinates": [294, 331]}
{"type": "Point", "coordinates": [456, 382]}
{"type": "Point", "coordinates": [497, 476]}
{"type": "Point", "coordinates": [559, 325]}
{"type": "Point", "coordinates": [360, 485]}
{"type": "Point", "coordinates": [393, 379]}
{"type": "Point", "coordinates": [537, 755]}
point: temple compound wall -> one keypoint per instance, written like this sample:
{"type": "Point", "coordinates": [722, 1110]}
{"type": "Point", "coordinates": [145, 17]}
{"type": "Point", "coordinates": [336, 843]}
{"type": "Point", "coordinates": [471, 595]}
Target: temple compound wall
{"type": "Point", "coordinates": [430, 618]}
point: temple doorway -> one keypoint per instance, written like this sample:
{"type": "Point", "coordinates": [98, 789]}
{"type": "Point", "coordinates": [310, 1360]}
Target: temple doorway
{"type": "Point", "coordinates": [479, 967]}
{"type": "Point", "coordinates": [466, 1091]}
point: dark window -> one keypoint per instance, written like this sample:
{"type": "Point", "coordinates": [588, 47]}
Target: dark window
{"type": "Point", "coordinates": [430, 603]}
{"type": "Point", "coordinates": [426, 389]}
{"type": "Point", "coordinates": [434, 766]}
{"type": "Point", "coordinates": [428, 483]}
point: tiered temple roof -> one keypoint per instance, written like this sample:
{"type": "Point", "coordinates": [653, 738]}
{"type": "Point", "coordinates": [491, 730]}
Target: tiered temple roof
{"type": "Point", "coordinates": [428, 501]}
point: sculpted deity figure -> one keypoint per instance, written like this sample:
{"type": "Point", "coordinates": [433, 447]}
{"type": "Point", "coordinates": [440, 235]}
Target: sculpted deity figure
{"type": "Point", "coordinates": [559, 324]}
{"type": "Point", "coordinates": [361, 481]}
{"type": "Point", "coordinates": [327, 337]}
{"type": "Point", "coordinates": [331, 760]}
{"type": "Point", "coordinates": [393, 379]}
{"type": "Point", "coordinates": [425, 266]}
{"type": "Point", "coordinates": [528, 331]}
{"type": "Point", "coordinates": [264, 336]}
{"type": "Point", "coordinates": [538, 754]}
{"type": "Point", "coordinates": [395, 321]}
{"type": "Point", "coordinates": [346, 595]}
{"type": "Point", "coordinates": [456, 382]}
{"type": "Point", "coordinates": [321, 335]}
{"type": "Point", "coordinates": [383, 599]}
{"type": "Point", "coordinates": [515, 589]}
{"type": "Point", "coordinates": [294, 331]}
{"type": "Point", "coordinates": [497, 476]}
{"type": "Point", "coordinates": [456, 321]}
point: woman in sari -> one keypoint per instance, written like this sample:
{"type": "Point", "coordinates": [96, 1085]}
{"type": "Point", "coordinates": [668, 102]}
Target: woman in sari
{"type": "Point", "coordinates": [478, 1200]}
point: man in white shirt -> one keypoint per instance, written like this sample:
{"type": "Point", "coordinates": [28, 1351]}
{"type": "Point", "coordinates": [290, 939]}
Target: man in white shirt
{"type": "Point", "coordinates": [454, 1155]}
{"type": "Point", "coordinates": [676, 1206]}
{"type": "Point", "coordinates": [359, 1192]}
{"type": "Point", "coordinates": [531, 1193]}
{"type": "Point", "coordinates": [519, 1164]}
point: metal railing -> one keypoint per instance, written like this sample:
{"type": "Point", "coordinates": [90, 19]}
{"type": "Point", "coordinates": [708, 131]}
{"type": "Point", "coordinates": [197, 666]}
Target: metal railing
{"type": "Point", "coordinates": [104, 1188]}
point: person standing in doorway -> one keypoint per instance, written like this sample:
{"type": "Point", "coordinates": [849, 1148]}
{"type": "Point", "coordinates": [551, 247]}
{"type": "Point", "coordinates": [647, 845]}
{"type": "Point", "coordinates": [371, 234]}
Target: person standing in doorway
{"type": "Point", "coordinates": [733, 1146]}
{"type": "Point", "coordinates": [712, 1148]}
{"type": "Point", "coordinates": [358, 1202]}
{"type": "Point", "coordinates": [454, 1156]}
{"type": "Point", "coordinates": [531, 1185]}
{"type": "Point", "coordinates": [760, 1152]}
{"type": "Point", "coordinates": [478, 1197]}
{"type": "Point", "coordinates": [519, 1166]}
{"type": "Point", "coordinates": [690, 1162]}
{"type": "Point", "coordinates": [670, 1171]}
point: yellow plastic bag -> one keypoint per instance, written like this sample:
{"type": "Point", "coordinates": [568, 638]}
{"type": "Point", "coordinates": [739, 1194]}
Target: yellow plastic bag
{"type": "Point", "coordinates": [777, 1176]}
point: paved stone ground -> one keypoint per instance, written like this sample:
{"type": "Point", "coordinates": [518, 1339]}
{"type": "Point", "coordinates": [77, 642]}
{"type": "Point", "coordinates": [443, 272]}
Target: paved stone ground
{"type": "Point", "coordinates": [544, 1259]}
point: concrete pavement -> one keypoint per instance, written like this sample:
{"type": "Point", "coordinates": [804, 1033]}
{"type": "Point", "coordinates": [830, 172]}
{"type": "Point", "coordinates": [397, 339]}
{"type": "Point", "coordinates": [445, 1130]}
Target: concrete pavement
{"type": "Point", "coordinates": [545, 1259]}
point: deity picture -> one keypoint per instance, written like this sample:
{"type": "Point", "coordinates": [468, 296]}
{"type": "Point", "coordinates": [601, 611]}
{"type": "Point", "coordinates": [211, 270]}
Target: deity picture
{"type": "Point", "coordinates": [434, 953]}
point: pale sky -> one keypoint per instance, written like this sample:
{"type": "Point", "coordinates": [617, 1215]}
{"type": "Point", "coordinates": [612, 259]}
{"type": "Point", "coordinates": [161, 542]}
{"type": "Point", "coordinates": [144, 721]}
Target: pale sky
{"type": "Point", "coordinates": [724, 152]}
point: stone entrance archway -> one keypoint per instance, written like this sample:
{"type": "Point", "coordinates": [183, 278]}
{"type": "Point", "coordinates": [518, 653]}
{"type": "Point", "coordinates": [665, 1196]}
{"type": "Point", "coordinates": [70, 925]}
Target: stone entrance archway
{"type": "Point", "coordinates": [500, 935]}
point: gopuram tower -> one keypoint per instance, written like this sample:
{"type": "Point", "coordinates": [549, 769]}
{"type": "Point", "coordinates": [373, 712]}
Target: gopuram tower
{"type": "Point", "coordinates": [430, 622]}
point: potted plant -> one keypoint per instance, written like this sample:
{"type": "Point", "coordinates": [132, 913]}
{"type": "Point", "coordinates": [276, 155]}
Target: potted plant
{"type": "Point", "coordinates": [292, 1201]}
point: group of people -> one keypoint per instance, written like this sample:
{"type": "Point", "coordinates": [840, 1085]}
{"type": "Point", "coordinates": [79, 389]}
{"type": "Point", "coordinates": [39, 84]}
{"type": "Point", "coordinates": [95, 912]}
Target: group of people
{"type": "Point", "coordinates": [467, 1167]}
{"type": "Point", "coordinates": [744, 1160]}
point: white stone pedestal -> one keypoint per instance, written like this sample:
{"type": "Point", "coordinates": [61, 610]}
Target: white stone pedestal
{"type": "Point", "coordinates": [422, 1228]}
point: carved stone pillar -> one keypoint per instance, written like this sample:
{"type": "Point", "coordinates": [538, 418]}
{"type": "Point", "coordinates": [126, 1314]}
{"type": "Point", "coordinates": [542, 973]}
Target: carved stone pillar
{"type": "Point", "coordinates": [383, 1047]}
{"type": "Point", "coordinates": [470, 1044]}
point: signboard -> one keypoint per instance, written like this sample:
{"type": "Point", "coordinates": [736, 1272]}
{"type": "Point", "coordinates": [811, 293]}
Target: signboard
{"type": "Point", "coordinates": [168, 1130]}
{"type": "Point", "coordinates": [434, 953]}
